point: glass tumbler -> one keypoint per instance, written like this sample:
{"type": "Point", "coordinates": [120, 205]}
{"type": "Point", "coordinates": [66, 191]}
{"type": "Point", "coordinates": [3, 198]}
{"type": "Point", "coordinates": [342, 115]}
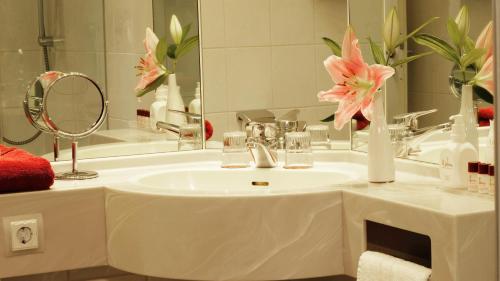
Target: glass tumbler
{"type": "Point", "coordinates": [319, 135]}
{"type": "Point", "coordinates": [298, 153]}
{"type": "Point", "coordinates": [235, 153]}
{"type": "Point", "coordinates": [190, 137]}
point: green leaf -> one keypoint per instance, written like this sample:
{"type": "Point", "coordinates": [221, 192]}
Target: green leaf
{"type": "Point", "coordinates": [185, 31]}
{"type": "Point", "coordinates": [439, 46]}
{"type": "Point", "coordinates": [171, 51]}
{"type": "Point", "coordinates": [454, 34]}
{"type": "Point", "coordinates": [152, 86]}
{"type": "Point", "coordinates": [186, 46]}
{"type": "Point", "coordinates": [470, 57]}
{"type": "Point", "coordinates": [161, 50]}
{"type": "Point", "coordinates": [329, 118]}
{"type": "Point", "coordinates": [414, 32]}
{"type": "Point", "coordinates": [334, 46]}
{"type": "Point", "coordinates": [410, 59]}
{"type": "Point", "coordinates": [469, 44]}
{"type": "Point", "coordinates": [377, 53]}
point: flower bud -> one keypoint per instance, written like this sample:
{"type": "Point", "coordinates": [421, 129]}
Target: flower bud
{"type": "Point", "coordinates": [391, 29]}
{"type": "Point", "coordinates": [463, 21]}
{"type": "Point", "coordinates": [175, 30]}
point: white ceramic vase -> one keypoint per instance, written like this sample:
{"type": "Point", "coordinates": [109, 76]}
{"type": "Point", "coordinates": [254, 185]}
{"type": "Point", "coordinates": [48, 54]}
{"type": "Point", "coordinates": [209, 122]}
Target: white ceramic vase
{"type": "Point", "coordinates": [175, 102]}
{"type": "Point", "coordinates": [381, 167]}
{"type": "Point", "coordinates": [469, 115]}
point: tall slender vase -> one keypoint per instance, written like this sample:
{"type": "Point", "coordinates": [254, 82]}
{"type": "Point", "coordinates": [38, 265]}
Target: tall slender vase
{"type": "Point", "coordinates": [380, 152]}
{"type": "Point", "coordinates": [470, 118]}
{"type": "Point", "coordinates": [175, 102]}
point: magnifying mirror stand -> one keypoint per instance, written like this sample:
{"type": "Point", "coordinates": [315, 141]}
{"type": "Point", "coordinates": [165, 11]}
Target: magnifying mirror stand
{"type": "Point", "coordinates": [56, 148]}
{"type": "Point", "coordinates": [75, 174]}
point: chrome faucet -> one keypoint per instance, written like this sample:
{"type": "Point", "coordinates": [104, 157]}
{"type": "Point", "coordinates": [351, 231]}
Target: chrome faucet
{"type": "Point", "coordinates": [262, 145]}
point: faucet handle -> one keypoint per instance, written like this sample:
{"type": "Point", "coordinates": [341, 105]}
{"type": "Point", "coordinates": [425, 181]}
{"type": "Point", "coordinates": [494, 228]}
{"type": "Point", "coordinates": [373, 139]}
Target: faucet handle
{"type": "Point", "coordinates": [410, 120]}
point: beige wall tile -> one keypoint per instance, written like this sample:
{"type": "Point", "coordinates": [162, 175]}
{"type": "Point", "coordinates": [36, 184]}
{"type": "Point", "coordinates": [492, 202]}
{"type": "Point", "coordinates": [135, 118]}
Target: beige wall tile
{"type": "Point", "coordinates": [212, 19]}
{"type": "Point", "coordinates": [218, 121]}
{"type": "Point", "coordinates": [249, 78]}
{"type": "Point", "coordinates": [330, 19]}
{"type": "Point", "coordinates": [19, 23]}
{"type": "Point", "coordinates": [247, 23]}
{"type": "Point", "coordinates": [323, 79]}
{"type": "Point", "coordinates": [122, 100]}
{"type": "Point", "coordinates": [215, 85]}
{"type": "Point", "coordinates": [293, 76]}
{"type": "Point", "coordinates": [368, 17]}
{"type": "Point", "coordinates": [126, 22]}
{"type": "Point", "coordinates": [292, 22]}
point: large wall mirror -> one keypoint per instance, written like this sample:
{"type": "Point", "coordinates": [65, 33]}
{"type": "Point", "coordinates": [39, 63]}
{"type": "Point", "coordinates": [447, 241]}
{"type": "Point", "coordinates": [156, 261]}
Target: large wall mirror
{"type": "Point", "coordinates": [255, 62]}
{"type": "Point", "coordinates": [104, 40]}
{"type": "Point", "coordinates": [420, 97]}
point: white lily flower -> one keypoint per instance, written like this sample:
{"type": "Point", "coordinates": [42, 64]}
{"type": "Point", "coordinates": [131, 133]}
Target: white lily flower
{"type": "Point", "coordinates": [463, 21]}
{"type": "Point", "coordinates": [176, 30]}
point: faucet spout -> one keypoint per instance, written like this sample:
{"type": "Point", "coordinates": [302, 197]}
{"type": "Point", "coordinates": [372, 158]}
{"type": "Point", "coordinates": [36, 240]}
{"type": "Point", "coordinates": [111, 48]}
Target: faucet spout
{"type": "Point", "coordinates": [263, 156]}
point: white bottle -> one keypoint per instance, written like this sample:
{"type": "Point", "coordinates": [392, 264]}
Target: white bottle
{"type": "Point", "coordinates": [195, 105]}
{"type": "Point", "coordinates": [175, 103]}
{"type": "Point", "coordinates": [489, 149]}
{"type": "Point", "coordinates": [158, 109]}
{"type": "Point", "coordinates": [456, 156]}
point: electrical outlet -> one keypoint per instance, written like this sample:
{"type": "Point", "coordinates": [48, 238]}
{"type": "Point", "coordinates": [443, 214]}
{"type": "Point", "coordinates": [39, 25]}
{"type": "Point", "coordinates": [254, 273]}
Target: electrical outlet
{"type": "Point", "coordinates": [23, 234]}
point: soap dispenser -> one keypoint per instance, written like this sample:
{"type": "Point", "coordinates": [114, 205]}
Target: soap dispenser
{"type": "Point", "coordinates": [195, 105]}
{"type": "Point", "coordinates": [489, 149]}
{"type": "Point", "coordinates": [456, 155]}
{"type": "Point", "coordinates": [158, 109]}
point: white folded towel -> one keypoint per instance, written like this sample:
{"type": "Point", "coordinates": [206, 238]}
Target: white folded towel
{"type": "Point", "coordinates": [375, 266]}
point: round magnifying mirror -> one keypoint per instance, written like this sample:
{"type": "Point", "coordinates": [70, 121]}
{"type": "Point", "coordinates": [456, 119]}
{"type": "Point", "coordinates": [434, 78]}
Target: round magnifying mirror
{"type": "Point", "coordinates": [72, 106]}
{"type": "Point", "coordinates": [33, 101]}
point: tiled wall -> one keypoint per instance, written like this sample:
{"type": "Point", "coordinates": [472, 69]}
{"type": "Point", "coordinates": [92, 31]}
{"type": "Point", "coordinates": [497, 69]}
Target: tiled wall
{"type": "Point", "coordinates": [78, 23]}
{"type": "Point", "coordinates": [428, 77]}
{"type": "Point", "coordinates": [125, 22]}
{"type": "Point", "coordinates": [267, 54]}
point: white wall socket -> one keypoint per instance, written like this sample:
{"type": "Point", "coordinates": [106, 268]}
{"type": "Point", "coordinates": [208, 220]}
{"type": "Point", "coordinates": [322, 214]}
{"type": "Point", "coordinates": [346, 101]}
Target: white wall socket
{"type": "Point", "coordinates": [23, 234]}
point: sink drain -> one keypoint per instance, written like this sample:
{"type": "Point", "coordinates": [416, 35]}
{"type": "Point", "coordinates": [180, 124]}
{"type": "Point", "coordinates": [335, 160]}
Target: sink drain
{"type": "Point", "coordinates": [260, 183]}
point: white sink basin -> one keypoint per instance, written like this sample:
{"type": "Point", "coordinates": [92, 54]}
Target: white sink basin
{"type": "Point", "coordinates": [200, 222]}
{"type": "Point", "coordinates": [242, 181]}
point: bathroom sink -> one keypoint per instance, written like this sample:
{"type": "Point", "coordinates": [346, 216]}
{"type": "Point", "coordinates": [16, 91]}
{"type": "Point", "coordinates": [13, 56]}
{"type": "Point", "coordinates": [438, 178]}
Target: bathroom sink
{"type": "Point", "coordinates": [241, 181]}
{"type": "Point", "coordinates": [198, 221]}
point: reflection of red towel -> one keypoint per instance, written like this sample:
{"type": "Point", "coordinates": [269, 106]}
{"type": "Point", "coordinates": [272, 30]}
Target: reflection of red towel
{"type": "Point", "coordinates": [21, 171]}
{"type": "Point", "coordinates": [484, 115]}
{"type": "Point", "coordinates": [362, 122]}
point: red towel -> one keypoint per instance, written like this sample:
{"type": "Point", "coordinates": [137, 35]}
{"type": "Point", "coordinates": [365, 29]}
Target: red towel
{"type": "Point", "coordinates": [21, 171]}
{"type": "Point", "coordinates": [484, 115]}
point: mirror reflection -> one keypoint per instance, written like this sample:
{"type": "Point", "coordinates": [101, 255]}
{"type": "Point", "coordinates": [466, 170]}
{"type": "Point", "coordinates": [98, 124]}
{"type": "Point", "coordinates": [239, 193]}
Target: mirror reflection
{"type": "Point", "coordinates": [103, 40]}
{"type": "Point", "coordinates": [423, 96]}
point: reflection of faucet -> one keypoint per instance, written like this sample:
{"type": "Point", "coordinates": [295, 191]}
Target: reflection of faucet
{"type": "Point", "coordinates": [413, 143]}
{"type": "Point", "coordinates": [174, 128]}
{"type": "Point", "coordinates": [407, 136]}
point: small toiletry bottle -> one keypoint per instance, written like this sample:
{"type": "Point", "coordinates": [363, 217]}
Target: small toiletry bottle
{"type": "Point", "coordinates": [491, 173]}
{"type": "Point", "coordinates": [472, 169]}
{"type": "Point", "coordinates": [456, 155]}
{"type": "Point", "coordinates": [142, 115]}
{"type": "Point", "coordinates": [195, 105]}
{"type": "Point", "coordinates": [158, 109]}
{"type": "Point", "coordinates": [483, 181]}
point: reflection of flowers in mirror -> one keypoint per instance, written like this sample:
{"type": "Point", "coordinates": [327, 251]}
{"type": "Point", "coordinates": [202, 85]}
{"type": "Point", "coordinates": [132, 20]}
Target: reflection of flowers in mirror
{"type": "Point", "coordinates": [161, 58]}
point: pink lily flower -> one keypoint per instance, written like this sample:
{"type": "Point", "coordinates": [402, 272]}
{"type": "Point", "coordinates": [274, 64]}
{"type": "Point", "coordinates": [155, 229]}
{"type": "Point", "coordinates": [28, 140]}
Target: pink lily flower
{"type": "Point", "coordinates": [149, 68]}
{"type": "Point", "coordinates": [485, 41]}
{"type": "Point", "coordinates": [356, 82]}
{"type": "Point", "coordinates": [484, 78]}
